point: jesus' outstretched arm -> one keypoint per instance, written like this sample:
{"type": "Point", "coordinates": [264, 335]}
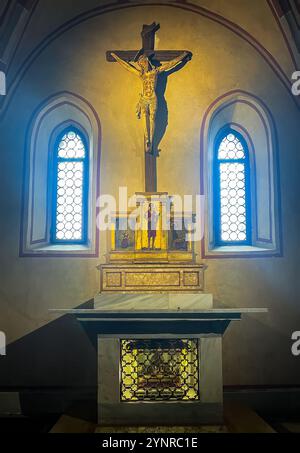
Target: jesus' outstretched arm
{"type": "Point", "coordinates": [176, 61]}
{"type": "Point", "coordinates": [129, 67]}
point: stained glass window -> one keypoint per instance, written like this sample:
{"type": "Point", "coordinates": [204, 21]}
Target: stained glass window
{"type": "Point", "coordinates": [71, 178]}
{"type": "Point", "coordinates": [232, 191]}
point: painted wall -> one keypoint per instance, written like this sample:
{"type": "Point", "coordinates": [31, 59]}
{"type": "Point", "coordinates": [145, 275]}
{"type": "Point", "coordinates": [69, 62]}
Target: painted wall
{"type": "Point", "coordinates": [256, 351]}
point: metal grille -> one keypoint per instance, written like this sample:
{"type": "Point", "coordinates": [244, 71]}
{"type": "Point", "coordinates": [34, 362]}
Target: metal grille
{"type": "Point", "coordinates": [70, 190]}
{"type": "Point", "coordinates": [159, 370]}
{"type": "Point", "coordinates": [231, 148]}
{"type": "Point", "coordinates": [71, 146]}
{"type": "Point", "coordinates": [232, 174]}
{"type": "Point", "coordinates": [233, 202]}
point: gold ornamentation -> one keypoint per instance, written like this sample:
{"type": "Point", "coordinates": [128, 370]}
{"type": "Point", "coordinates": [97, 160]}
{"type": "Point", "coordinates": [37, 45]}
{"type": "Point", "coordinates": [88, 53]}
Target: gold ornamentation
{"type": "Point", "coordinates": [114, 279]}
{"type": "Point", "coordinates": [148, 74]}
{"type": "Point", "coordinates": [190, 278]}
{"type": "Point", "coordinates": [152, 278]}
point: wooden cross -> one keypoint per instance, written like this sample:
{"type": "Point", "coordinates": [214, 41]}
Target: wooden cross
{"type": "Point", "coordinates": [148, 48]}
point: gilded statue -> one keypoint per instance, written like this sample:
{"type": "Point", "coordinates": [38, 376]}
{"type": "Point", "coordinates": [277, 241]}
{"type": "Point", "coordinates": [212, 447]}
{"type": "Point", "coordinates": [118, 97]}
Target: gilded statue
{"type": "Point", "coordinates": [148, 74]}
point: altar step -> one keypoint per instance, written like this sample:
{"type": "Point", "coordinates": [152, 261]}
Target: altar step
{"type": "Point", "coordinates": [289, 428]}
{"type": "Point", "coordinates": [238, 419]}
{"type": "Point", "coordinates": [162, 429]}
{"type": "Point", "coordinates": [71, 425]}
{"type": "Point", "coordinates": [242, 419]}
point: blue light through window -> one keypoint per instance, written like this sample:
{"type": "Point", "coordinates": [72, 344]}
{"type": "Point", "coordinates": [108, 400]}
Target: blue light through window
{"type": "Point", "coordinates": [71, 178]}
{"type": "Point", "coordinates": [232, 193]}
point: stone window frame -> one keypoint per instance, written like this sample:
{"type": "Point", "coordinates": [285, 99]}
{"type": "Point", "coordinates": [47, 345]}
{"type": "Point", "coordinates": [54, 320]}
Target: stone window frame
{"type": "Point", "coordinates": [57, 113]}
{"type": "Point", "coordinates": [215, 120]}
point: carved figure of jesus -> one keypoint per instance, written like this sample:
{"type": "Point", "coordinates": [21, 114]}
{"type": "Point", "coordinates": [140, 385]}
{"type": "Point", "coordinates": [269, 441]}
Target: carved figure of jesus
{"type": "Point", "coordinates": [152, 218]}
{"type": "Point", "coordinates": [148, 74]}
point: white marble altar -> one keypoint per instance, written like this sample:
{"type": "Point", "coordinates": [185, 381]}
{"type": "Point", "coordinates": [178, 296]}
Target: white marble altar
{"type": "Point", "coordinates": [116, 317]}
{"type": "Point", "coordinates": [153, 302]}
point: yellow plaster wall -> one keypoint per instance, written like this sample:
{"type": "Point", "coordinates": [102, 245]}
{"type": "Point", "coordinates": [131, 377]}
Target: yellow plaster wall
{"type": "Point", "coordinates": [221, 62]}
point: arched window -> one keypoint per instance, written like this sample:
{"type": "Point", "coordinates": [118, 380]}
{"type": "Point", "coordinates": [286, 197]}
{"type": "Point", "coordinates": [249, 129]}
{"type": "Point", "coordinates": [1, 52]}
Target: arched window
{"type": "Point", "coordinates": [70, 194]}
{"type": "Point", "coordinates": [232, 216]}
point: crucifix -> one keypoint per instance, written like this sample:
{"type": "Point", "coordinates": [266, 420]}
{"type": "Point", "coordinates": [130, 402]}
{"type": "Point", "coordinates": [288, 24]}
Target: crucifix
{"type": "Point", "coordinates": [141, 63]}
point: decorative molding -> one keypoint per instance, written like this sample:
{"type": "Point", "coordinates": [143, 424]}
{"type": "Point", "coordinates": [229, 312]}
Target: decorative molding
{"type": "Point", "coordinates": [39, 115]}
{"type": "Point", "coordinates": [4, 8]}
{"type": "Point", "coordinates": [271, 136]}
{"type": "Point", "coordinates": [279, 15]}
{"type": "Point", "coordinates": [14, 20]}
{"type": "Point", "coordinates": [152, 278]}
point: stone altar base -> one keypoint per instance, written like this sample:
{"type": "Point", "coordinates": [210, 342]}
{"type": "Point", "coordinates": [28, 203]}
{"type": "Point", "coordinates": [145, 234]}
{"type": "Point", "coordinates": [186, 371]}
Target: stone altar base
{"type": "Point", "coordinates": [159, 357]}
{"type": "Point", "coordinates": [130, 393]}
{"type": "Point", "coordinates": [206, 409]}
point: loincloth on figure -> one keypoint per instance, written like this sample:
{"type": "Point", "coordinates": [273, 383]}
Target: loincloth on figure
{"type": "Point", "coordinates": [151, 234]}
{"type": "Point", "coordinates": [146, 105]}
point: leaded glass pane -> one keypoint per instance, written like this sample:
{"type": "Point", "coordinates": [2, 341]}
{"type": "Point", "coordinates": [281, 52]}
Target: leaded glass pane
{"type": "Point", "coordinates": [71, 146]}
{"type": "Point", "coordinates": [71, 161]}
{"type": "Point", "coordinates": [233, 202]}
{"type": "Point", "coordinates": [231, 148]}
{"type": "Point", "coordinates": [69, 201]}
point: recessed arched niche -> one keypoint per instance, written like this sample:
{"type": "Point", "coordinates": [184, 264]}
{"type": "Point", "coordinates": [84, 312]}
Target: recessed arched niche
{"type": "Point", "coordinates": [248, 118]}
{"type": "Point", "coordinates": [61, 112]}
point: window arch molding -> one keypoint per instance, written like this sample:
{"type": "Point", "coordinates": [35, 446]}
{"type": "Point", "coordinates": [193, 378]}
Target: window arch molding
{"type": "Point", "coordinates": [58, 113]}
{"type": "Point", "coordinates": [249, 117]}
